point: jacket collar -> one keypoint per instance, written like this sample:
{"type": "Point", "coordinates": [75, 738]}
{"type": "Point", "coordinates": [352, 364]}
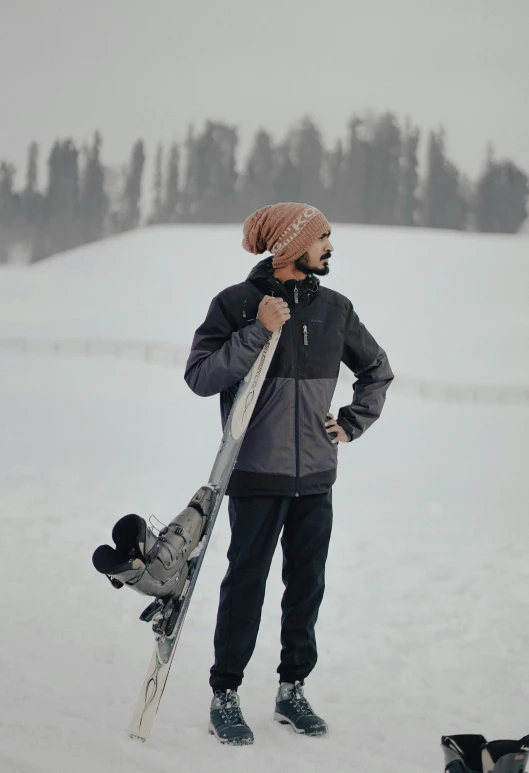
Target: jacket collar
{"type": "Point", "coordinates": [262, 275]}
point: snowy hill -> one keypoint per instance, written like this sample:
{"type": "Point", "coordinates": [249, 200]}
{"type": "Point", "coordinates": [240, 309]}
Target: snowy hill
{"type": "Point", "coordinates": [424, 628]}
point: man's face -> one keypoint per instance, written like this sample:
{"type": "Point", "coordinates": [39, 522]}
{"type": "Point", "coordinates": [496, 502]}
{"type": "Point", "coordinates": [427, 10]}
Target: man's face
{"type": "Point", "coordinates": [316, 259]}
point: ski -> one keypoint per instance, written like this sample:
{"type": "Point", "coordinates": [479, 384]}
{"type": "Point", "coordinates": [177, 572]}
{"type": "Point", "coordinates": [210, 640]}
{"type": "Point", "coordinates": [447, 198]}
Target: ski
{"type": "Point", "coordinates": [168, 614]}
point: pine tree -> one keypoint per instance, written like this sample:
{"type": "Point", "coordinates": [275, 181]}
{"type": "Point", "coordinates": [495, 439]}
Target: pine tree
{"type": "Point", "coordinates": [9, 210]}
{"type": "Point", "coordinates": [287, 182]}
{"type": "Point", "coordinates": [32, 208]}
{"type": "Point", "coordinates": [62, 199]}
{"type": "Point", "coordinates": [199, 160]}
{"type": "Point", "coordinates": [354, 174]}
{"type": "Point", "coordinates": [443, 204]}
{"type": "Point", "coordinates": [170, 208]}
{"type": "Point", "coordinates": [210, 191]}
{"type": "Point", "coordinates": [190, 193]}
{"type": "Point", "coordinates": [220, 205]}
{"type": "Point", "coordinates": [32, 170]}
{"type": "Point", "coordinates": [93, 203]}
{"type": "Point", "coordinates": [407, 204]}
{"type": "Point", "coordinates": [501, 197]}
{"type": "Point", "coordinates": [382, 170]}
{"type": "Point", "coordinates": [157, 215]}
{"type": "Point", "coordinates": [130, 215]}
{"type": "Point", "coordinates": [334, 173]}
{"type": "Point", "coordinates": [308, 157]}
{"type": "Point", "coordinates": [115, 182]}
{"type": "Point", "coordinates": [257, 184]}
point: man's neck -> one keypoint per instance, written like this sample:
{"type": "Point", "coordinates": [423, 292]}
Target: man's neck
{"type": "Point", "coordinates": [289, 272]}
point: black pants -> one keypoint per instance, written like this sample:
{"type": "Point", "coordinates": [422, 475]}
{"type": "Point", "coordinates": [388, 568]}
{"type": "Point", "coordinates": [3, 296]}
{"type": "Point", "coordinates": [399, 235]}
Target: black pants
{"type": "Point", "coordinates": [256, 523]}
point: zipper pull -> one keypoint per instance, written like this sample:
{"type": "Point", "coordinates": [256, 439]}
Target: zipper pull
{"type": "Point", "coordinates": [296, 299]}
{"type": "Point", "coordinates": [305, 336]}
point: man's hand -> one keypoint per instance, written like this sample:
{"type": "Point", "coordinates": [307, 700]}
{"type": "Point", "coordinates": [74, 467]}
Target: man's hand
{"type": "Point", "coordinates": [338, 434]}
{"type": "Point", "coordinates": [273, 312]}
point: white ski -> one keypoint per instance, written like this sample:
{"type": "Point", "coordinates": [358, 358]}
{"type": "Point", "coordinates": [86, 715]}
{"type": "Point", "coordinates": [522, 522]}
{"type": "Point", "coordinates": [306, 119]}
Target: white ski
{"type": "Point", "coordinates": [240, 415]}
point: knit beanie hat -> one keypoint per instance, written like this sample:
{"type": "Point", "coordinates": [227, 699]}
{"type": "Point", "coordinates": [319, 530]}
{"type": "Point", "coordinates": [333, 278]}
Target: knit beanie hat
{"type": "Point", "coordinates": [286, 230]}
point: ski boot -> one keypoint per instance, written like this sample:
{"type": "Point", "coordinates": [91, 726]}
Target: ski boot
{"type": "Point", "coordinates": [226, 721]}
{"type": "Point", "coordinates": [473, 754]}
{"type": "Point", "coordinates": [150, 564]}
{"type": "Point", "coordinates": [292, 708]}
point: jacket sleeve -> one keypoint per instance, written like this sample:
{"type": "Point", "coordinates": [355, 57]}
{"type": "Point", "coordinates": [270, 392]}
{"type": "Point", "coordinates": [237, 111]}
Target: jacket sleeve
{"type": "Point", "coordinates": [370, 365]}
{"type": "Point", "coordinates": [220, 354]}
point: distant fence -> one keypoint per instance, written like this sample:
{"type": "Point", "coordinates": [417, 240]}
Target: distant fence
{"type": "Point", "coordinates": [156, 352]}
{"type": "Point", "coordinates": [175, 355]}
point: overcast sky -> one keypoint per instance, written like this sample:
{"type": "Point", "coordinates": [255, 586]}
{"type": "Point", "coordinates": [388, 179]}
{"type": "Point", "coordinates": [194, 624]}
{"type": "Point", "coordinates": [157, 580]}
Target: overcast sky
{"type": "Point", "coordinates": [146, 68]}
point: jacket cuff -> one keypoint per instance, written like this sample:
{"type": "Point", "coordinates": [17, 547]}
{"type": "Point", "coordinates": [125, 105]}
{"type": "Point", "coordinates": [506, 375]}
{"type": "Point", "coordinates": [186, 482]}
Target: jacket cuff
{"type": "Point", "coordinates": [264, 331]}
{"type": "Point", "coordinates": [346, 430]}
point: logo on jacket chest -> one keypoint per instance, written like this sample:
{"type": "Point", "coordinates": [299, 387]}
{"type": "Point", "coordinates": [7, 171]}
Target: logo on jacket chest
{"type": "Point", "coordinates": [247, 315]}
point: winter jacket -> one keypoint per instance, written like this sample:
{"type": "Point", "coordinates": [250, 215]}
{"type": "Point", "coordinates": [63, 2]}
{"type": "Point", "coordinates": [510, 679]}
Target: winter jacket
{"type": "Point", "coordinates": [287, 450]}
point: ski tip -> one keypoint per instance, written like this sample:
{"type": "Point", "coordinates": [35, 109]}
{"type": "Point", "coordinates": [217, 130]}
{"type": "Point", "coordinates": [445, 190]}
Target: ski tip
{"type": "Point", "coordinates": [137, 737]}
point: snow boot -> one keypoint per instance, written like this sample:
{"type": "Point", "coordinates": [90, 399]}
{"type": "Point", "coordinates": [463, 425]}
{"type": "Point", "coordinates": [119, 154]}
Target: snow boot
{"type": "Point", "coordinates": [472, 754]}
{"type": "Point", "coordinates": [226, 721]}
{"type": "Point", "coordinates": [150, 564]}
{"type": "Point", "coordinates": [292, 708]}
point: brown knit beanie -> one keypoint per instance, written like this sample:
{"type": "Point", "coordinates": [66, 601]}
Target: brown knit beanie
{"type": "Point", "coordinates": [286, 230]}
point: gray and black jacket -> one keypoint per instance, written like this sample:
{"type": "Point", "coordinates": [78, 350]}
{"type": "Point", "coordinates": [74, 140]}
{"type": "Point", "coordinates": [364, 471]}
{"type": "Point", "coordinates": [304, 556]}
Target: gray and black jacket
{"type": "Point", "coordinates": [287, 450]}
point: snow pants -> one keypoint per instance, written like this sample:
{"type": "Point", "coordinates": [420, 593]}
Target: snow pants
{"type": "Point", "coordinates": [256, 523]}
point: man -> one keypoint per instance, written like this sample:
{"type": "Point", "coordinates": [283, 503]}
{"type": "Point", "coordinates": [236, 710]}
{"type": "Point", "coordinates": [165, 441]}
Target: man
{"type": "Point", "coordinates": [287, 463]}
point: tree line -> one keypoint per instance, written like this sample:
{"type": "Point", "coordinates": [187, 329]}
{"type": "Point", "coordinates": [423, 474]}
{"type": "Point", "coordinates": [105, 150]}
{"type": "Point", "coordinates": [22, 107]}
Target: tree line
{"type": "Point", "coordinates": [370, 176]}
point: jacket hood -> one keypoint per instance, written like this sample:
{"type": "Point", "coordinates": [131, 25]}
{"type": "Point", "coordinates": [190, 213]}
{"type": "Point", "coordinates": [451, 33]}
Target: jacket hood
{"type": "Point", "coordinates": [262, 275]}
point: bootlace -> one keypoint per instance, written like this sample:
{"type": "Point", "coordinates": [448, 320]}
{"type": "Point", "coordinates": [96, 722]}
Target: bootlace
{"type": "Point", "coordinates": [298, 699]}
{"type": "Point", "coordinates": [230, 710]}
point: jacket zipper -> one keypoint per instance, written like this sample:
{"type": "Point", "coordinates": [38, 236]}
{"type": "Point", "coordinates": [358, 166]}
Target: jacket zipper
{"type": "Point", "coordinates": [296, 386]}
{"type": "Point", "coordinates": [305, 336]}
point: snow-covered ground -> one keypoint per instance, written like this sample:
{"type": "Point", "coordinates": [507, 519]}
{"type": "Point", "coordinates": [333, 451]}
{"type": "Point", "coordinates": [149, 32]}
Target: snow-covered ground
{"type": "Point", "coordinates": [424, 628]}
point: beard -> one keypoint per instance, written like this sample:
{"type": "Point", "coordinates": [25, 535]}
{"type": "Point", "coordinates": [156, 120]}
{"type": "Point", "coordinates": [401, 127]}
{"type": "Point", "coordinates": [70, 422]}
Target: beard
{"type": "Point", "coordinates": [302, 264]}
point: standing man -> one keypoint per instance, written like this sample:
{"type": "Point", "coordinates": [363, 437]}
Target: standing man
{"type": "Point", "coordinates": [286, 468]}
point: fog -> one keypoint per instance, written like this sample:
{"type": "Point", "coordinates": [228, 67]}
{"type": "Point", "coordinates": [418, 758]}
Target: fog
{"type": "Point", "coordinates": [135, 69]}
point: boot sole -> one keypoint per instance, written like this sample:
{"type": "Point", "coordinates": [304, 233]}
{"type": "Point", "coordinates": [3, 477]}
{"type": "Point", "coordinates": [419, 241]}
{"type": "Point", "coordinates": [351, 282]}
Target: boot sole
{"type": "Point", "coordinates": [286, 721]}
{"type": "Point", "coordinates": [229, 741]}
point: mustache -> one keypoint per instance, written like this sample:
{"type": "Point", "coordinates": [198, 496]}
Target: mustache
{"type": "Point", "coordinates": [326, 256]}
